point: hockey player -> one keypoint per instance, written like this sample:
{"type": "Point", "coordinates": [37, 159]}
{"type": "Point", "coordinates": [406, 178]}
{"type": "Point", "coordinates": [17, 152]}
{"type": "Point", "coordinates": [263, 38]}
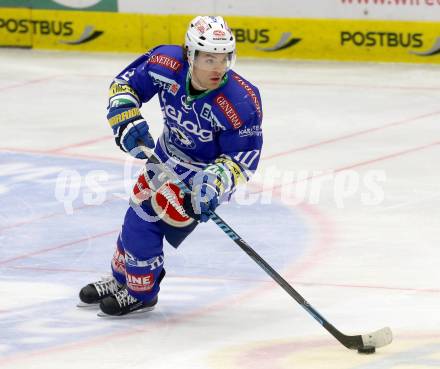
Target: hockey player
{"type": "Point", "coordinates": [211, 139]}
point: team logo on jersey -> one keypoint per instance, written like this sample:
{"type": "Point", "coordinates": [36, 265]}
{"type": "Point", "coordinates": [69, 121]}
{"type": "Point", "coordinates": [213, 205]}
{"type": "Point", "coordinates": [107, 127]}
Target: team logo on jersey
{"type": "Point", "coordinates": [228, 109]}
{"type": "Point", "coordinates": [181, 139]}
{"type": "Point", "coordinates": [166, 61]}
{"type": "Point", "coordinates": [166, 83]}
{"type": "Point", "coordinates": [249, 91]}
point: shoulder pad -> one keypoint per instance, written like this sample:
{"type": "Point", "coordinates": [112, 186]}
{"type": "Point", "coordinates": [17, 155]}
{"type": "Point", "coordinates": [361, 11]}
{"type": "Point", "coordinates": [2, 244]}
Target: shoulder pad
{"type": "Point", "coordinates": [252, 91]}
{"type": "Point", "coordinates": [166, 59]}
{"type": "Point", "coordinates": [239, 102]}
{"type": "Point", "coordinates": [226, 106]}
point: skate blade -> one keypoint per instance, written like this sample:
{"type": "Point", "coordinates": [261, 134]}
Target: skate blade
{"type": "Point", "coordinates": [83, 305]}
{"type": "Point", "coordinates": [142, 311]}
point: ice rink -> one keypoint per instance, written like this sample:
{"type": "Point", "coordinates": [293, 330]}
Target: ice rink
{"type": "Point", "coordinates": [345, 205]}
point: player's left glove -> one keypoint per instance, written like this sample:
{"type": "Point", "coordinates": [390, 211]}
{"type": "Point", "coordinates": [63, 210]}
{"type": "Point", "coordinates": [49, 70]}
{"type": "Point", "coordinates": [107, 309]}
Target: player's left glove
{"type": "Point", "coordinates": [207, 187]}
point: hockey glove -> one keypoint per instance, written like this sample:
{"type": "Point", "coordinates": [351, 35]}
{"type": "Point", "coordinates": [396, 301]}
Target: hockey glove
{"type": "Point", "coordinates": [206, 190]}
{"type": "Point", "coordinates": [130, 128]}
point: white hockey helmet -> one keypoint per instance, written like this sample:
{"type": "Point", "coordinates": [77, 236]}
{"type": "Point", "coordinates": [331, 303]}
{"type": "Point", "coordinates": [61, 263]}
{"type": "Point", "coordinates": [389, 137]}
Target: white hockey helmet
{"type": "Point", "coordinates": [209, 34]}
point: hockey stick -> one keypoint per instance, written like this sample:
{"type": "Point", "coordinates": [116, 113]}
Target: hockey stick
{"type": "Point", "coordinates": [379, 338]}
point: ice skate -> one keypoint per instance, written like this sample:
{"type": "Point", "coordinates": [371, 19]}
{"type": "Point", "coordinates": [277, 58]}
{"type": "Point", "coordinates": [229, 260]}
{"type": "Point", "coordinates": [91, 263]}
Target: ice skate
{"type": "Point", "coordinates": [122, 303]}
{"type": "Point", "coordinates": [92, 294]}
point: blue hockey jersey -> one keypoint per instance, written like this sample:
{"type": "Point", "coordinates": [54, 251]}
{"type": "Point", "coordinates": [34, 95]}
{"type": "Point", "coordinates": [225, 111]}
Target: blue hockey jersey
{"type": "Point", "coordinates": [221, 126]}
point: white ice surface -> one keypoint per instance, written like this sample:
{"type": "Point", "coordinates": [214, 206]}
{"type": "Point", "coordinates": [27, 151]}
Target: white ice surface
{"type": "Point", "coordinates": [365, 256]}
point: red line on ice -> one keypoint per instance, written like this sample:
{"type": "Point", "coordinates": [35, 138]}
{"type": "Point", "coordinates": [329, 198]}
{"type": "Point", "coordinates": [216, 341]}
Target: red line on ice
{"type": "Point", "coordinates": [349, 85]}
{"type": "Point", "coordinates": [351, 135]}
{"type": "Point", "coordinates": [355, 165]}
{"type": "Point", "coordinates": [57, 247]}
{"type": "Point", "coordinates": [29, 82]}
{"type": "Point", "coordinates": [81, 144]}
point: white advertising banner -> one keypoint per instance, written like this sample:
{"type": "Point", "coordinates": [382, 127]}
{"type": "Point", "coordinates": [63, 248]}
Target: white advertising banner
{"type": "Point", "coordinates": [412, 10]}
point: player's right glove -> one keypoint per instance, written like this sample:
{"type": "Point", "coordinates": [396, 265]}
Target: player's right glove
{"type": "Point", "coordinates": [129, 129]}
{"type": "Point", "coordinates": [208, 185]}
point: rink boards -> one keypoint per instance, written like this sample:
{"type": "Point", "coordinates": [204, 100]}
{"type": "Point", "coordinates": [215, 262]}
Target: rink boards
{"type": "Point", "coordinates": [261, 37]}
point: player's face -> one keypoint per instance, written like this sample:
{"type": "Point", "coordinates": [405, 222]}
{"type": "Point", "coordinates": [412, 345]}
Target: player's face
{"type": "Point", "coordinates": [209, 69]}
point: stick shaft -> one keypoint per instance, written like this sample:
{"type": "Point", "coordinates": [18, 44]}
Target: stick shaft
{"type": "Point", "coordinates": [350, 342]}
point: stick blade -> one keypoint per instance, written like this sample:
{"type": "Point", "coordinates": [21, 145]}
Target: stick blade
{"type": "Point", "coordinates": [380, 338]}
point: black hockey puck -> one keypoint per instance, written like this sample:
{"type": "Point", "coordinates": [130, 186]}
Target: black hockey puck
{"type": "Point", "coordinates": [366, 350]}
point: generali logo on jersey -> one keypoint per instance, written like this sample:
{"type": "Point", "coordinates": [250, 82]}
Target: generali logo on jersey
{"type": "Point", "coordinates": [249, 91]}
{"type": "Point", "coordinates": [228, 109]}
{"type": "Point", "coordinates": [166, 61]}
